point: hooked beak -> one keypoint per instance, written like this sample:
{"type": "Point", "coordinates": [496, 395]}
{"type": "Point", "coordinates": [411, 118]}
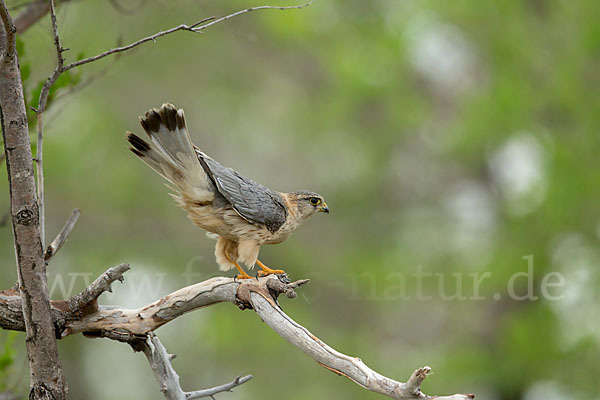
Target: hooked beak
{"type": "Point", "coordinates": [324, 208]}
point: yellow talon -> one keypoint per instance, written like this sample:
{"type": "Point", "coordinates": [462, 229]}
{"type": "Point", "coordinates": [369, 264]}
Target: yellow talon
{"type": "Point", "coordinates": [242, 273]}
{"type": "Point", "coordinates": [268, 271]}
{"type": "Point", "coordinates": [243, 276]}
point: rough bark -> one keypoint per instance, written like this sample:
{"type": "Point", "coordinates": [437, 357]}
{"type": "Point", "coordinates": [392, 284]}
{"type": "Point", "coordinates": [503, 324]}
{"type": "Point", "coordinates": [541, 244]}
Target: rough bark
{"type": "Point", "coordinates": [47, 379]}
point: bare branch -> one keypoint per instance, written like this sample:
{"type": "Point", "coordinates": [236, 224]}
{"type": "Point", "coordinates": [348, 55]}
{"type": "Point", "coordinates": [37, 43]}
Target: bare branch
{"type": "Point", "coordinates": [59, 69]}
{"type": "Point", "coordinates": [198, 394]}
{"type": "Point", "coordinates": [160, 362]}
{"type": "Point", "coordinates": [62, 236]}
{"type": "Point", "coordinates": [350, 367]}
{"type": "Point", "coordinates": [10, 29]}
{"type": "Point", "coordinates": [197, 28]}
{"type": "Point", "coordinates": [259, 294]}
{"type": "Point", "coordinates": [127, 47]}
{"type": "Point", "coordinates": [138, 322]}
{"type": "Point", "coordinates": [166, 376]}
{"type": "Point", "coordinates": [86, 301]}
{"type": "Point", "coordinates": [57, 45]}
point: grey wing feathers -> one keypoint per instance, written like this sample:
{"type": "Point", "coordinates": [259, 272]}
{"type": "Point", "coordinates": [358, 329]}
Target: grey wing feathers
{"type": "Point", "coordinates": [254, 202]}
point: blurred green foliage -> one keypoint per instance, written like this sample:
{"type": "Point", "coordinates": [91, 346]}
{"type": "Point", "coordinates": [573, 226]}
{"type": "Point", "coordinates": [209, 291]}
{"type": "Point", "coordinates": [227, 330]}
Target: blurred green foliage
{"type": "Point", "coordinates": [7, 359]}
{"type": "Point", "coordinates": [455, 137]}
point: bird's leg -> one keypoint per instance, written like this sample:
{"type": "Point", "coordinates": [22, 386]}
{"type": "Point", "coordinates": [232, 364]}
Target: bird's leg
{"type": "Point", "coordinates": [242, 273]}
{"type": "Point", "coordinates": [268, 271]}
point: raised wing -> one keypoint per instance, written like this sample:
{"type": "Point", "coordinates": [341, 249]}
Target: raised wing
{"type": "Point", "coordinates": [252, 201]}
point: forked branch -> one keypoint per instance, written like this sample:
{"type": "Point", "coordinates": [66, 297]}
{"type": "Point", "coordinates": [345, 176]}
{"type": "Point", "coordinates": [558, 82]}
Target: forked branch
{"type": "Point", "coordinates": [134, 326]}
{"type": "Point", "coordinates": [62, 236]}
{"type": "Point", "coordinates": [167, 378]}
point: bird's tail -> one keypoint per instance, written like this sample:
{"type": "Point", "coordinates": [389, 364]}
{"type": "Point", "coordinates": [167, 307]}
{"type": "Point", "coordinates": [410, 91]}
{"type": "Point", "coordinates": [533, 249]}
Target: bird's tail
{"type": "Point", "coordinates": [171, 153]}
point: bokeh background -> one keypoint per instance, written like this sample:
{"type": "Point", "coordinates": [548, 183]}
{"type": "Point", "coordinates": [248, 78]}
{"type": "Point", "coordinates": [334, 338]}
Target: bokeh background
{"type": "Point", "coordinates": [451, 138]}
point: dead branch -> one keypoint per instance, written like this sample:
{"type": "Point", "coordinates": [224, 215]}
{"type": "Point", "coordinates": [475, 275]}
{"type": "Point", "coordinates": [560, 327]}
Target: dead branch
{"type": "Point", "coordinates": [62, 236]}
{"type": "Point", "coordinates": [351, 367]}
{"type": "Point", "coordinates": [198, 27]}
{"type": "Point", "coordinates": [40, 126]}
{"type": "Point", "coordinates": [133, 326]}
{"type": "Point", "coordinates": [167, 378]}
{"type": "Point", "coordinates": [210, 392]}
{"type": "Point", "coordinates": [160, 362]}
{"type": "Point", "coordinates": [86, 302]}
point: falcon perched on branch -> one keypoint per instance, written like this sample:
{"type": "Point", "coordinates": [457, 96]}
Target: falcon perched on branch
{"type": "Point", "coordinates": [242, 214]}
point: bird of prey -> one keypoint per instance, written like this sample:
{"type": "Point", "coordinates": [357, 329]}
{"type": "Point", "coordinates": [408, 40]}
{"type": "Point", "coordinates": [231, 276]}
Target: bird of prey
{"type": "Point", "coordinates": [240, 213]}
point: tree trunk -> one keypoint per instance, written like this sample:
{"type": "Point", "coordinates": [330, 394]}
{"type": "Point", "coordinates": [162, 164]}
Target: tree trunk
{"type": "Point", "coordinates": [47, 379]}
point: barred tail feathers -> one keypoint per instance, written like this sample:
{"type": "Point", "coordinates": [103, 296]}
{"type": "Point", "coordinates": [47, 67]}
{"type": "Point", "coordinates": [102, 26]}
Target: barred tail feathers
{"type": "Point", "coordinates": [171, 153]}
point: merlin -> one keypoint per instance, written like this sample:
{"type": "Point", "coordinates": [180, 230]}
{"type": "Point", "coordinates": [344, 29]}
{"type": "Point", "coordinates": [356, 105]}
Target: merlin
{"type": "Point", "coordinates": [240, 213]}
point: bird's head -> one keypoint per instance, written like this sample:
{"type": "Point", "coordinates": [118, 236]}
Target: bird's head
{"type": "Point", "coordinates": [307, 203]}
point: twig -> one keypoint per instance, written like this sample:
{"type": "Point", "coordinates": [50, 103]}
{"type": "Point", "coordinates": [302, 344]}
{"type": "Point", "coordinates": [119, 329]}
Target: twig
{"type": "Point", "coordinates": [198, 394]}
{"type": "Point", "coordinates": [10, 28]}
{"type": "Point", "coordinates": [166, 376]}
{"type": "Point", "coordinates": [86, 301]}
{"type": "Point", "coordinates": [197, 28]}
{"type": "Point", "coordinates": [125, 48]}
{"type": "Point", "coordinates": [62, 236]}
{"type": "Point", "coordinates": [59, 69]}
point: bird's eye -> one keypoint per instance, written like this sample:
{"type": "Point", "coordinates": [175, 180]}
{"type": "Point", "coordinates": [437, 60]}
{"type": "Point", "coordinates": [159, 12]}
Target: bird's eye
{"type": "Point", "coordinates": [315, 201]}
